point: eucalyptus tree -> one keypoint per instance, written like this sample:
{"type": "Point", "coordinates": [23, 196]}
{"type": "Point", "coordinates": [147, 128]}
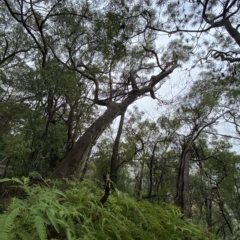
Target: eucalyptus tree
{"type": "Point", "coordinates": [118, 64]}
{"type": "Point", "coordinates": [199, 112]}
{"type": "Point", "coordinates": [212, 27]}
{"type": "Point", "coordinates": [145, 161]}
{"type": "Point", "coordinates": [145, 152]}
{"type": "Point", "coordinates": [215, 186]}
{"type": "Point", "coordinates": [108, 45]}
{"type": "Point", "coordinates": [115, 152]}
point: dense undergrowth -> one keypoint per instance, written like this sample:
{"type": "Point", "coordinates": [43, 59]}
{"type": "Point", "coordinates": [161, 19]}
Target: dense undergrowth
{"type": "Point", "coordinates": [67, 210]}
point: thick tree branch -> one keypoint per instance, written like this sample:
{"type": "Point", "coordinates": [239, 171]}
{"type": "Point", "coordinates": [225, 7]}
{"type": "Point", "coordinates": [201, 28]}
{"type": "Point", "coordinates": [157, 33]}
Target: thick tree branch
{"type": "Point", "coordinates": [232, 31]}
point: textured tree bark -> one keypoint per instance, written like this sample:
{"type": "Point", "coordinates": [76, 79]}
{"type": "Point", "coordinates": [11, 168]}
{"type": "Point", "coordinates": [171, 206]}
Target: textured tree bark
{"type": "Point", "coordinates": [232, 31]}
{"type": "Point", "coordinates": [139, 181]}
{"type": "Point", "coordinates": [150, 166]}
{"type": "Point", "coordinates": [234, 225]}
{"type": "Point", "coordinates": [74, 160]}
{"type": "Point", "coordinates": [182, 198]}
{"type": "Point", "coordinates": [208, 206]}
{"type": "Point", "coordinates": [115, 158]}
{"type": "Point", "coordinates": [106, 190]}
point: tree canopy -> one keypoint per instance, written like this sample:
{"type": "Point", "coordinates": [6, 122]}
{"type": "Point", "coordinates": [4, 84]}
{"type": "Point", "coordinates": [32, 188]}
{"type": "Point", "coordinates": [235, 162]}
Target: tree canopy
{"type": "Point", "coordinates": [69, 69]}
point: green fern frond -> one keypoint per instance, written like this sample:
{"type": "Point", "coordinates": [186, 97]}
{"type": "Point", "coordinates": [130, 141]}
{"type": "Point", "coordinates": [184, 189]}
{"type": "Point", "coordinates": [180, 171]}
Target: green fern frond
{"type": "Point", "coordinates": [52, 219]}
{"type": "Point", "coordinates": [22, 235]}
{"type": "Point", "coordinates": [62, 223]}
{"type": "Point", "coordinates": [70, 234]}
{"type": "Point", "coordinates": [25, 181]}
{"type": "Point", "coordinates": [57, 193]}
{"type": "Point", "coordinates": [7, 220]}
{"type": "Point", "coordinates": [39, 224]}
{"type": "Point", "coordinates": [16, 180]}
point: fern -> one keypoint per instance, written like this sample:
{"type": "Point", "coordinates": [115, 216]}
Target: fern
{"type": "Point", "coordinates": [16, 180]}
{"type": "Point", "coordinates": [22, 235]}
{"type": "Point", "coordinates": [75, 213]}
{"type": "Point", "coordinates": [39, 224]}
{"type": "Point", "coordinates": [52, 219]}
{"type": "Point", "coordinates": [7, 221]}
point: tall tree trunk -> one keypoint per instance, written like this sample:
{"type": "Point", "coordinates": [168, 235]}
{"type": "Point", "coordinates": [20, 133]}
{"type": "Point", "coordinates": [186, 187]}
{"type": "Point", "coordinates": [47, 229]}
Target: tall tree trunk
{"type": "Point", "coordinates": [150, 166]}
{"type": "Point", "coordinates": [115, 156]}
{"type": "Point", "coordinates": [74, 160]}
{"type": "Point", "coordinates": [208, 206]}
{"type": "Point", "coordinates": [139, 181]}
{"type": "Point", "coordinates": [182, 198]}
{"type": "Point", "coordinates": [233, 224]}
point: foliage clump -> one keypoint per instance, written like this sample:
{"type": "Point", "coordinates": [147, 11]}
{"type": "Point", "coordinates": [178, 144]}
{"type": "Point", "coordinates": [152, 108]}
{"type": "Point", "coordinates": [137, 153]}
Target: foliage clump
{"type": "Point", "coordinates": [73, 211]}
